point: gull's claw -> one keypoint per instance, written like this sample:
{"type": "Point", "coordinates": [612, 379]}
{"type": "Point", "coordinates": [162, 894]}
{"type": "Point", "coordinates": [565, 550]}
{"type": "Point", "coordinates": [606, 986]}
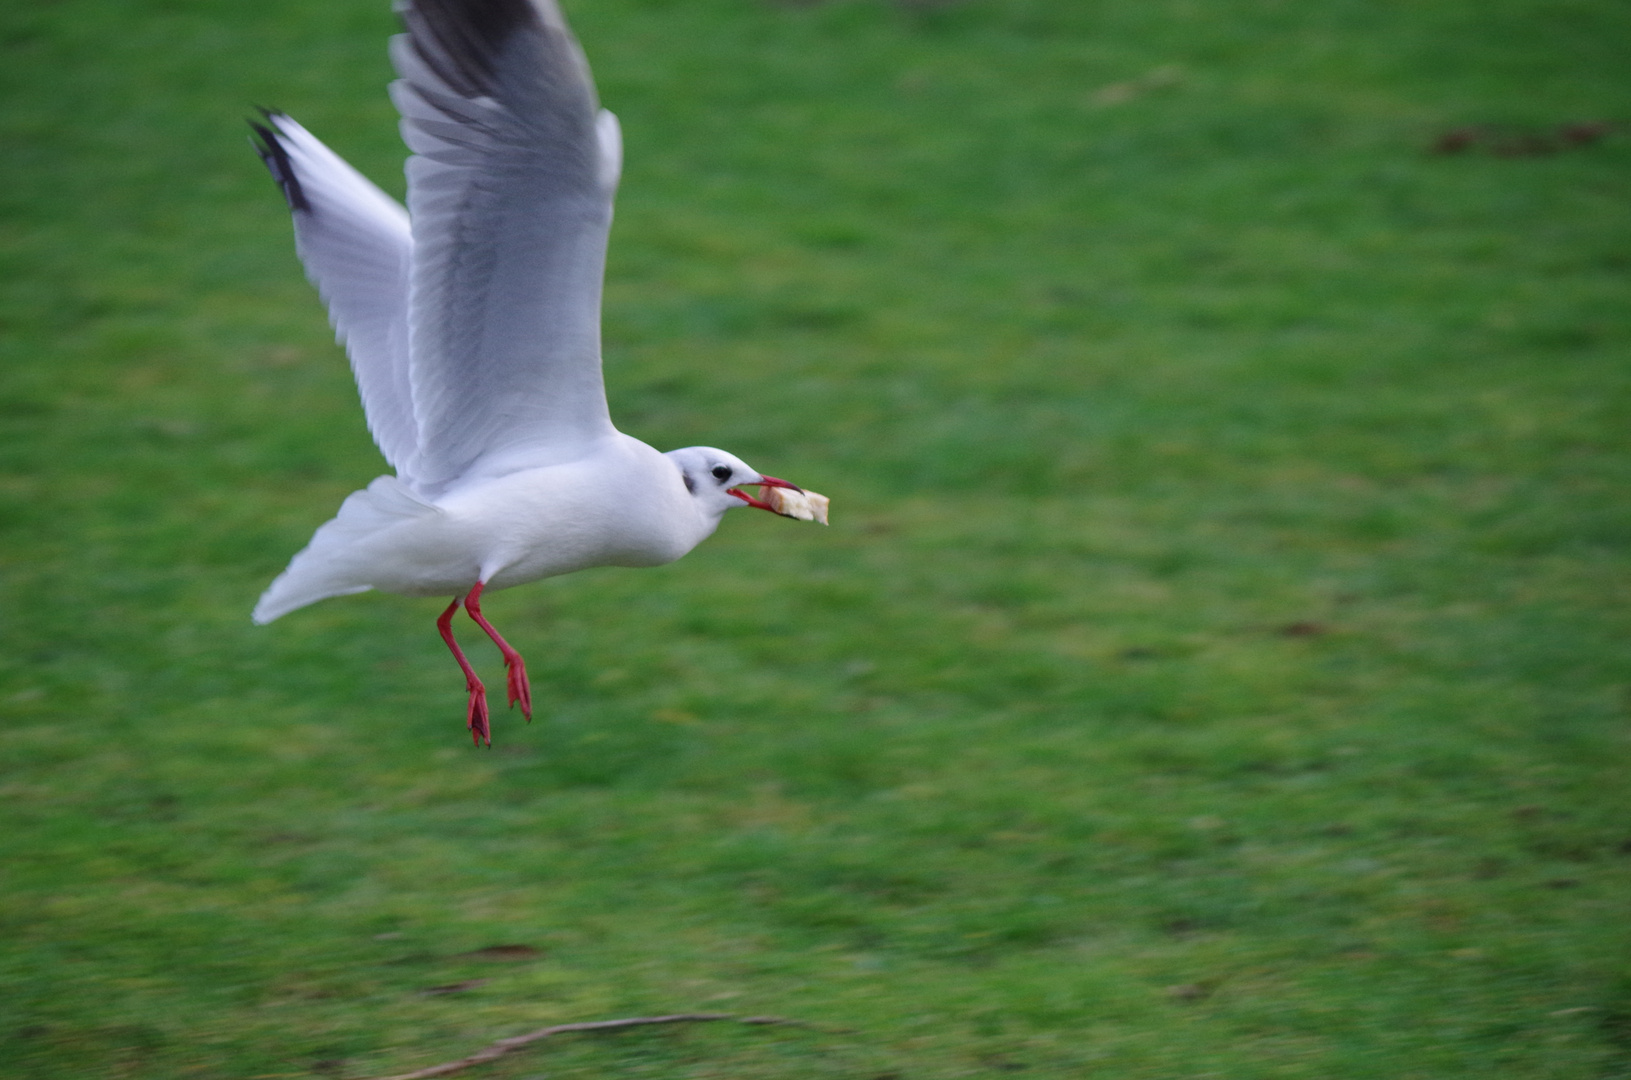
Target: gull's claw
{"type": "Point", "coordinates": [476, 719]}
{"type": "Point", "coordinates": [520, 689]}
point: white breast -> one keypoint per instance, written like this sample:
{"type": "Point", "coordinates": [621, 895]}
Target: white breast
{"type": "Point", "coordinates": [625, 505]}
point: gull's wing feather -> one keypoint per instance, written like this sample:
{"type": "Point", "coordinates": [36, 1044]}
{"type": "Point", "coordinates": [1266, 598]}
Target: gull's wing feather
{"type": "Point", "coordinates": [510, 190]}
{"type": "Point", "coordinates": [356, 246]}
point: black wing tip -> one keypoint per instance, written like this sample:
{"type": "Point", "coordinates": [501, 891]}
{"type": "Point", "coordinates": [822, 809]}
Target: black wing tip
{"type": "Point", "coordinates": [269, 145]}
{"type": "Point", "coordinates": [490, 21]}
{"type": "Point", "coordinates": [464, 36]}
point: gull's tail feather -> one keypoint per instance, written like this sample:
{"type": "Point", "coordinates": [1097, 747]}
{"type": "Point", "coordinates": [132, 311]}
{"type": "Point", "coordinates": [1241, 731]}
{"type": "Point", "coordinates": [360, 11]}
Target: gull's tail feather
{"type": "Point", "coordinates": [340, 558]}
{"type": "Point", "coordinates": [286, 594]}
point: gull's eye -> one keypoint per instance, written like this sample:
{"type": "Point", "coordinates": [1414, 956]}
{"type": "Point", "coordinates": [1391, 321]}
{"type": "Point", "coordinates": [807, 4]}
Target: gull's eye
{"type": "Point", "coordinates": [722, 472]}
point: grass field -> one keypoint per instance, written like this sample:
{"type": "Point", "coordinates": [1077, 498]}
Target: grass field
{"type": "Point", "coordinates": [1217, 664]}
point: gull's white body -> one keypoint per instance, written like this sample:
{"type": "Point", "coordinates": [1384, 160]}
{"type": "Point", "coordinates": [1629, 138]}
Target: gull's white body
{"type": "Point", "coordinates": [472, 320]}
{"type": "Point", "coordinates": [621, 504]}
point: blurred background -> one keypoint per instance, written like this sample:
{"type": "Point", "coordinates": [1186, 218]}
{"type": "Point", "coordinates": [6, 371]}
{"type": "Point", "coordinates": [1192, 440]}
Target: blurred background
{"type": "Point", "coordinates": [1216, 665]}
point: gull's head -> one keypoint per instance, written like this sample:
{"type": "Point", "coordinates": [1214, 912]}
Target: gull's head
{"type": "Point", "coordinates": [715, 479]}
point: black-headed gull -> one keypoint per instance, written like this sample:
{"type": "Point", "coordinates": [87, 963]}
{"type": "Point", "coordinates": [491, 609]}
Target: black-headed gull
{"type": "Point", "coordinates": [472, 319]}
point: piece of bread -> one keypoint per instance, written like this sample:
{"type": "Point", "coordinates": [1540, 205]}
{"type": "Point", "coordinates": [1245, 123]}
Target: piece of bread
{"type": "Point", "coordinates": [803, 505]}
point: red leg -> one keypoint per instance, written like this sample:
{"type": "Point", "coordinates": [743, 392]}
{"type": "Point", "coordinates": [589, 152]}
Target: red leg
{"type": "Point", "coordinates": [520, 689]}
{"type": "Point", "coordinates": [476, 719]}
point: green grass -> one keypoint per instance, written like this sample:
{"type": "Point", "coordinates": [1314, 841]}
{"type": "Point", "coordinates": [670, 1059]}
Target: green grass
{"type": "Point", "coordinates": [1217, 664]}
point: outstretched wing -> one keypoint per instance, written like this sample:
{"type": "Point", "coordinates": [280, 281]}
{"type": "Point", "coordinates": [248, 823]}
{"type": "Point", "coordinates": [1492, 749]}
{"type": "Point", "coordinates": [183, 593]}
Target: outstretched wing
{"type": "Point", "coordinates": [510, 192]}
{"type": "Point", "coordinates": [357, 249]}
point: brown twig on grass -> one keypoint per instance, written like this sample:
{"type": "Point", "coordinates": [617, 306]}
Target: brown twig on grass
{"type": "Point", "coordinates": [504, 1046]}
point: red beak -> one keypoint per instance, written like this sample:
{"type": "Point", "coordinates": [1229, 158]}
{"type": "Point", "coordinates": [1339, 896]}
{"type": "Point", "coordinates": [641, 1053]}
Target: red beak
{"type": "Point", "coordinates": [764, 481]}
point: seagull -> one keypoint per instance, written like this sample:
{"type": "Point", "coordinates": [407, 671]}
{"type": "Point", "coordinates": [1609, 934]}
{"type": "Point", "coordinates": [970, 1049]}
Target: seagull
{"type": "Point", "coordinates": [472, 322]}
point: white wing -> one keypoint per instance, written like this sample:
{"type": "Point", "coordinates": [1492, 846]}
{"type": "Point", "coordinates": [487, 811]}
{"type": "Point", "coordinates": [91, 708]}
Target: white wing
{"type": "Point", "coordinates": [510, 191]}
{"type": "Point", "coordinates": [356, 246]}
